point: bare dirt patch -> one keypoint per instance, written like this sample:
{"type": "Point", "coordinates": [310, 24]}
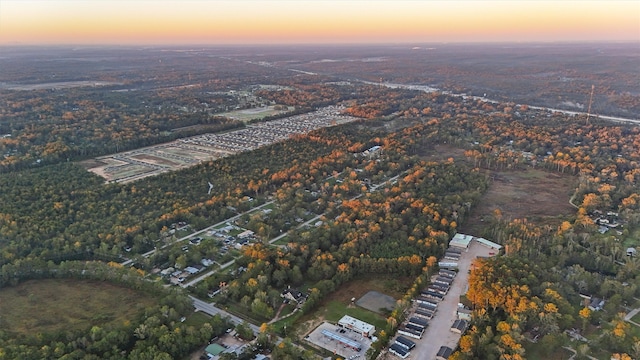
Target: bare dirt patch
{"type": "Point", "coordinates": [393, 286]}
{"type": "Point", "coordinates": [442, 152]}
{"type": "Point", "coordinates": [154, 160]}
{"type": "Point", "coordinates": [91, 163]}
{"type": "Point", "coordinates": [375, 301]}
{"type": "Point", "coordinates": [537, 195]}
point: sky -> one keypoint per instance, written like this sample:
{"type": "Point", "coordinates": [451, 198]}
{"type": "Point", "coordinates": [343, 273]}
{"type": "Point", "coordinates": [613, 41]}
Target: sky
{"type": "Point", "coordinates": [139, 22]}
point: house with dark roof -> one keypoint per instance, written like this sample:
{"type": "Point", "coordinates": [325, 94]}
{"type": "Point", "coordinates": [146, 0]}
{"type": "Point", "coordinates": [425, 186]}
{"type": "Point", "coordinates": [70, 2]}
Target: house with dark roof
{"type": "Point", "coordinates": [405, 343]}
{"type": "Point", "coordinates": [294, 295]}
{"type": "Point", "coordinates": [399, 351]}
{"type": "Point", "coordinates": [459, 326]}
{"type": "Point", "coordinates": [596, 304]}
{"type": "Point", "coordinates": [444, 353]}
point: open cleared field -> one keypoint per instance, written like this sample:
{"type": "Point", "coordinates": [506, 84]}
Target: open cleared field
{"type": "Point", "coordinates": [393, 286]}
{"type": "Point", "coordinates": [537, 195]}
{"type": "Point", "coordinates": [254, 113]}
{"type": "Point", "coordinates": [534, 352]}
{"type": "Point", "coordinates": [56, 305]}
{"type": "Point", "coordinates": [155, 160]}
{"type": "Point", "coordinates": [136, 164]}
{"type": "Point", "coordinates": [56, 85]}
{"type": "Point", "coordinates": [376, 302]}
{"type": "Point", "coordinates": [441, 152]}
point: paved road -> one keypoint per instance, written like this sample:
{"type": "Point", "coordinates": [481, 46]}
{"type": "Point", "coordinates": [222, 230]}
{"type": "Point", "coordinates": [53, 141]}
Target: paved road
{"type": "Point", "coordinates": [210, 309]}
{"type": "Point", "coordinates": [631, 314]}
{"type": "Point", "coordinates": [206, 275]}
{"type": "Point", "coordinates": [231, 219]}
{"type": "Point", "coordinates": [438, 332]}
{"type": "Point", "coordinates": [429, 89]}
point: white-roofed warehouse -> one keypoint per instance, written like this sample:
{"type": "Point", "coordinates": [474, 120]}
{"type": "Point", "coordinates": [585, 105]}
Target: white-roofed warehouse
{"type": "Point", "coordinates": [361, 327]}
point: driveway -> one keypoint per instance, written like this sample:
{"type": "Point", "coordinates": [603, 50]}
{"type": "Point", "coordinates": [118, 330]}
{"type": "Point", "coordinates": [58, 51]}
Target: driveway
{"type": "Point", "coordinates": [438, 332]}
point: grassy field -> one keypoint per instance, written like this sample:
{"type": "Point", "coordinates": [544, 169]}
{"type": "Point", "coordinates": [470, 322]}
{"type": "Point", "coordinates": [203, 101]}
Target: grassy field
{"type": "Point", "coordinates": [251, 114]}
{"type": "Point", "coordinates": [636, 318]}
{"type": "Point", "coordinates": [284, 241]}
{"type": "Point", "coordinates": [197, 319]}
{"type": "Point", "coordinates": [534, 352]}
{"type": "Point", "coordinates": [633, 240]}
{"type": "Point", "coordinates": [335, 310]}
{"type": "Point", "coordinates": [539, 196]}
{"type": "Point", "coordinates": [54, 305]}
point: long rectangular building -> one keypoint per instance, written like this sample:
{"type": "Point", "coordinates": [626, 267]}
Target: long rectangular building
{"type": "Point", "coordinates": [443, 280]}
{"type": "Point", "coordinates": [342, 340]}
{"type": "Point", "coordinates": [449, 273]}
{"type": "Point", "coordinates": [416, 334]}
{"type": "Point", "coordinates": [404, 342]}
{"type": "Point", "coordinates": [427, 314]}
{"type": "Point", "coordinates": [422, 300]}
{"type": "Point", "coordinates": [418, 321]}
{"type": "Point", "coordinates": [437, 288]}
{"type": "Point", "coordinates": [427, 305]}
{"type": "Point", "coordinates": [399, 351]}
{"type": "Point", "coordinates": [361, 327]}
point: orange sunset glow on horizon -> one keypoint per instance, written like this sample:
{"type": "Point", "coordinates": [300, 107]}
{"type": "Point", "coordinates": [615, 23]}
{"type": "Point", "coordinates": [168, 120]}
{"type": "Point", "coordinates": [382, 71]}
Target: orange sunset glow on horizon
{"type": "Point", "coordinates": [314, 22]}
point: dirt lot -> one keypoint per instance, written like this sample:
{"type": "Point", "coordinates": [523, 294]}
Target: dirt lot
{"type": "Point", "coordinates": [389, 285]}
{"type": "Point", "coordinates": [442, 152]}
{"type": "Point", "coordinates": [537, 195]}
{"type": "Point", "coordinates": [375, 301]}
{"type": "Point", "coordinates": [155, 160]}
{"type": "Point", "coordinates": [91, 163]}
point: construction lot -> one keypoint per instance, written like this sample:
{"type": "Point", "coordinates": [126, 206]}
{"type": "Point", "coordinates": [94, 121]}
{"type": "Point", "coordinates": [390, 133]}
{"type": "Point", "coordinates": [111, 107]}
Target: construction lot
{"type": "Point", "coordinates": [533, 194]}
{"type": "Point", "coordinates": [137, 164]}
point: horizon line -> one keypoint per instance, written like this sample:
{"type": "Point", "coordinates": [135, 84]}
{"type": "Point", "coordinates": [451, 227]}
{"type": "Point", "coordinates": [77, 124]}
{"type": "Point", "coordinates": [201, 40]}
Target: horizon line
{"type": "Point", "coordinates": [241, 44]}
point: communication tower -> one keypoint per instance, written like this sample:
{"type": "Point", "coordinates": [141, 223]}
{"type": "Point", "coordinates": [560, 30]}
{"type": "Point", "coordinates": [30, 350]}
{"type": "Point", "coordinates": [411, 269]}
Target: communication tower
{"type": "Point", "coordinates": [590, 101]}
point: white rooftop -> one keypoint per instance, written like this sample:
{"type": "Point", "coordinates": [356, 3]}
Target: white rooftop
{"type": "Point", "coordinates": [357, 324]}
{"type": "Point", "coordinates": [488, 243]}
{"type": "Point", "coordinates": [461, 240]}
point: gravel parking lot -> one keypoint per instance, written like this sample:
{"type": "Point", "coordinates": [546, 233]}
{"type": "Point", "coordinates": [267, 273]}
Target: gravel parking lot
{"type": "Point", "coordinates": [438, 332]}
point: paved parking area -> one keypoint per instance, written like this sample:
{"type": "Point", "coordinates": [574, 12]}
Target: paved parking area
{"type": "Point", "coordinates": [438, 332]}
{"type": "Point", "coordinates": [317, 338]}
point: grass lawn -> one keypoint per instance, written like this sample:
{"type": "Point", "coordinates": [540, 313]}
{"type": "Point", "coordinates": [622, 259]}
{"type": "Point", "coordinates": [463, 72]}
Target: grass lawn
{"type": "Point", "coordinates": [636, 318]}
{"type": "Point", "coordinates": [182, 233]}
{"type": "Point", "coordinates": [633, 239]}
{"type": "Point", "coordinates": [197, 319]}
{"type": "Point", "coordinates": [288, 309]}
{"type": "Point", "coordinates": [56, 305]}
{"type": "Point", "coordinates": [245, 314]}
{"type": "Point", "coordinates": [284, 241]}
{"type": "Point", "coordinates": [634, 330]}
{"type": "Point", "coordinates": [535, 352]}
